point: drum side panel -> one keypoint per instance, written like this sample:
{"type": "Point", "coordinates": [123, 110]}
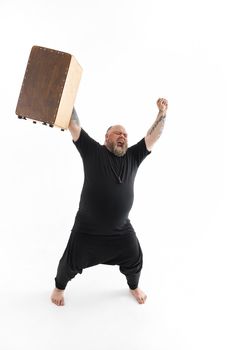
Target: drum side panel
{"type": "Point", "coordinates": [69, 94]}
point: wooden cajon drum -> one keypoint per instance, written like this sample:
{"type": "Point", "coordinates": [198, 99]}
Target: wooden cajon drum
{"type": "Point", "coordinates": [49, 87]}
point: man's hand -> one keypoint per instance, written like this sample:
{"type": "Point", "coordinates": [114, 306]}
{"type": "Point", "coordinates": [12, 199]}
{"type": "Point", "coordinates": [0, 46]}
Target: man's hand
{"type": "Point", "coordinates": [162, 104]}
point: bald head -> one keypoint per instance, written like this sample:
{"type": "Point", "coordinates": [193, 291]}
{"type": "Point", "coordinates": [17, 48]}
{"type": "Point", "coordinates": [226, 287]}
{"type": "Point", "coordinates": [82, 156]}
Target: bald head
{"type": "Point", "coordinates": [116, 140]}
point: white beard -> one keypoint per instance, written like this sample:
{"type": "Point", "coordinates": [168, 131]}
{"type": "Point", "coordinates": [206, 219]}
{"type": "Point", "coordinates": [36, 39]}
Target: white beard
{"type": "Point", "coordinates": [120, 151]}
{"type": "Point", "coordinates": [117, 150]}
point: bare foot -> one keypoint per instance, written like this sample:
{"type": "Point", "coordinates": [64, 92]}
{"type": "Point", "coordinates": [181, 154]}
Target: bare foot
{"type": "Point", "coordinates": [139, 295]}
{"type": "Point", "coordinates": [57, 297]}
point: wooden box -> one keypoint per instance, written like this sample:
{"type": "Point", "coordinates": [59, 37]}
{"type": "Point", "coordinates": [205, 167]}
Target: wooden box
{"type": "Point", "coordinates": [49, 87]}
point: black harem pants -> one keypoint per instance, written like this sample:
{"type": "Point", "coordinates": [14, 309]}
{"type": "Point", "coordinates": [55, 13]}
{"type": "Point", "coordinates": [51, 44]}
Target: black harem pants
{"type": "Point", "coordinates": [85, 250]}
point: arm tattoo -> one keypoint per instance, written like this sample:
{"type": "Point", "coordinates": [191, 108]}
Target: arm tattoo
{"type": "Point", "coordinates": [75, 117]}
{"type": "Point", "coordinates": [156, 123]}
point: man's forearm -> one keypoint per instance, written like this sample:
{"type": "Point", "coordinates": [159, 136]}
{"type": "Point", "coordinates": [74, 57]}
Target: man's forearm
{"type": "Point", "coordinates": [75, 118]}
{"type": "Point", "coordinates": [157, 127]}
{"type": "Point", "coordinates": [74, 126]}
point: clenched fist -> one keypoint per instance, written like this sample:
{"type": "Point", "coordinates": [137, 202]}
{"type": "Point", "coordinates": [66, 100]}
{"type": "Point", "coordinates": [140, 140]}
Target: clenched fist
{"type": "Point", "coordinates": [162, 104]}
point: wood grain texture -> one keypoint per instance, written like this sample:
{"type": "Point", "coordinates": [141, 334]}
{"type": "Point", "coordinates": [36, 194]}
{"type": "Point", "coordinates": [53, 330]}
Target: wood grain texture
{"type": "Point", "coordinates": [49, 87]}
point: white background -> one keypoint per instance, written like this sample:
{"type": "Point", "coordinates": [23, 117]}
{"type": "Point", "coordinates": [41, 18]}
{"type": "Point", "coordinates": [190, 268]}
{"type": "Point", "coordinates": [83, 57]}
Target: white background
{"type": "Point", "coordinates": [132, 52]}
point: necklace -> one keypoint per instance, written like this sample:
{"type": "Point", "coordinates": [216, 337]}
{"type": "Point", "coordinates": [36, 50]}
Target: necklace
{"type": "Point", "coordinates": [117, 169]}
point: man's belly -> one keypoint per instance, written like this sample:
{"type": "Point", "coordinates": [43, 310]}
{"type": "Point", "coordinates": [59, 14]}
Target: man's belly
{"type": "Point", "coordinates": [106, 206]}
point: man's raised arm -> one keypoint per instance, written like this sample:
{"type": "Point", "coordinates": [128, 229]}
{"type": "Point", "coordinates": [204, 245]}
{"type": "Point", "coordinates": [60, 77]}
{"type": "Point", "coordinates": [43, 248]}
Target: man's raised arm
{"type": "Point", "coordinates": [156, 129]}
{"type": "Point", "coordinates": [74, 126]}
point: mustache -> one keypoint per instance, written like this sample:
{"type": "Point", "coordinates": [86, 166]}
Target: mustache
{"type": "Point", "coordinates": [118, 150]}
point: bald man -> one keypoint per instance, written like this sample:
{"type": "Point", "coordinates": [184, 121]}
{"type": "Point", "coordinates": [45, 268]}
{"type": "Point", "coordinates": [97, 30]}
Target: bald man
{"type": "Point", "coordinates": [102, 232]}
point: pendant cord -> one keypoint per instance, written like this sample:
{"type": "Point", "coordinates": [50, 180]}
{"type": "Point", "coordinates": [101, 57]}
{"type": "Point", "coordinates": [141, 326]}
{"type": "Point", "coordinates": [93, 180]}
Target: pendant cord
{"type": "Point", "coordinates": [118, 177]}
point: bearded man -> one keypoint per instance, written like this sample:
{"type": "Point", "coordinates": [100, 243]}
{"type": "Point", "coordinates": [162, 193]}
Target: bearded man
{"type": "Point", "coordinates": [102, 232]}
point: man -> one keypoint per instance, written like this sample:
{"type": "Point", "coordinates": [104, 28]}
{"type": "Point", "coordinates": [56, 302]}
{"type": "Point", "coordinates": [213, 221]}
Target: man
{"type": "Point", "coordinates": [102, 232]}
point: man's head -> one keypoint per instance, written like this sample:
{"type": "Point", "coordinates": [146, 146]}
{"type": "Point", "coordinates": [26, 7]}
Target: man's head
{"type": "Point", "coordinates": [116, 140]}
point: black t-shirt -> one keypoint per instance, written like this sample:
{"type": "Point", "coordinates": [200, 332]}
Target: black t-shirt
{"type": "Point", "coordinates": [108, 190]}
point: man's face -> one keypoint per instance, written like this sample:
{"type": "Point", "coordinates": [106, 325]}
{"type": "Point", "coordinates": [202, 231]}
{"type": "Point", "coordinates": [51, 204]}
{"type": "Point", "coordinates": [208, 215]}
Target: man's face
{"type": "Point", "coordinates": [116, 140]}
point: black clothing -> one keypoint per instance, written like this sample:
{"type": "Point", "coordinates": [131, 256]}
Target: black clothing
{"type": "Point", "coordinates": [108, 190]}
{"type": "Point", "coordinates": [85, 250]}
{"type": "Point", "coordinates": [102, 232]}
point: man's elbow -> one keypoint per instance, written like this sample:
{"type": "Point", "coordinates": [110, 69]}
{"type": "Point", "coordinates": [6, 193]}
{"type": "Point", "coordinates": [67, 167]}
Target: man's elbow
{"type": "Point", "coordinates": [149, 143]}
{"type": "Point", "coordinates": [75, 131]}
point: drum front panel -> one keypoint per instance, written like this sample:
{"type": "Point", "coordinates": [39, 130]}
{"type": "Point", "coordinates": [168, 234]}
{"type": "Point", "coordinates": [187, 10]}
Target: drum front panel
{"type": "Point", "coordinates": [48, 90]}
